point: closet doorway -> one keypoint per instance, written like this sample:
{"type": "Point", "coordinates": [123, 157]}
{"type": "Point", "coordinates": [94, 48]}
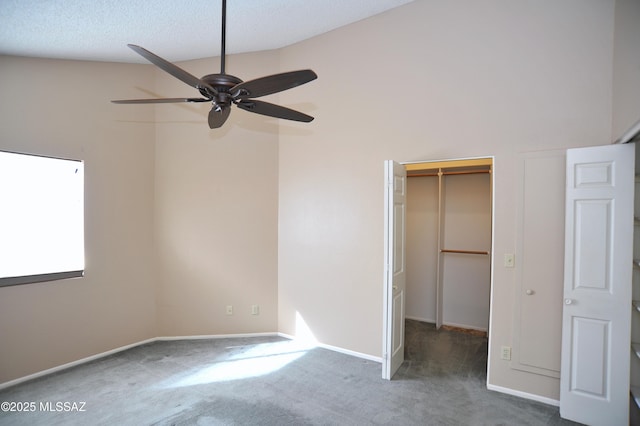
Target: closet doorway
{"type": "Point", "coordinates": [438, 245]}
{"type": "Point", "coordinates": [448, 243]}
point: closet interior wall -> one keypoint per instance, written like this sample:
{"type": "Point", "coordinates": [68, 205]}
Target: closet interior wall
{"type": "Point", "coordinates": [448, 246]}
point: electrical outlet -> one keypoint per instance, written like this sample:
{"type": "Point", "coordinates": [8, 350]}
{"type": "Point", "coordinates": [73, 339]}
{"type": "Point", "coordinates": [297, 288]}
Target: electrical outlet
{"type": "Point", "coordinates": [505, 353]}
{"type": "Point", "coordinates": [509, 260]}
{"type": "Point", "coordinates": [255, 310]}
{"type": "Point", "coordinates": [229, 310]}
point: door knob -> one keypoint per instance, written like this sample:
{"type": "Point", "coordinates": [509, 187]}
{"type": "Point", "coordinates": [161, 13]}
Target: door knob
{"type": "Point", "coordinates": [395, 287]}
{"type": "Point", "coordinates": [568, 301]}
{"type": "Point", "coordinates": [529, 292]}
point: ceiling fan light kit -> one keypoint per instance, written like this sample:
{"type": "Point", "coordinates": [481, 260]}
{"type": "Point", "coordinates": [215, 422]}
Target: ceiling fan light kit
{"type": "Point", "coordinates": [223, 90]}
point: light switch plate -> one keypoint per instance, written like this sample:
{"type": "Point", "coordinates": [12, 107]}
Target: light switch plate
{"type": "Point", "coordinates": [505, 353]}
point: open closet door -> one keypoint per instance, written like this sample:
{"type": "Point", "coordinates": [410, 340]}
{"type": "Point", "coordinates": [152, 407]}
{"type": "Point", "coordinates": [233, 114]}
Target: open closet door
{"type": "Point", "coordinates": [395, 196]}
{"type": "Point", "coordinates": [596, 319]}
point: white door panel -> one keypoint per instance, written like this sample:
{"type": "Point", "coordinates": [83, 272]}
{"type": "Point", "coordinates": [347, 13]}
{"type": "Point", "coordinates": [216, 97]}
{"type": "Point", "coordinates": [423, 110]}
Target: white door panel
{"type": "Point", "coordinates": [590, 370]}
{"type": "Point", "coordinates": [596, 319]}
{"type": "Point", "coordinates": [592, 244]}
{"type": "Point", "coordinates": [398, 330]}
{"type": "Point", "coordinates": [395, 274]}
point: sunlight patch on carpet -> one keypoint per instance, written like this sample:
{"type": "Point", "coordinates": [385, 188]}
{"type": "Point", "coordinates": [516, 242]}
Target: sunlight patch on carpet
{"type": "Point", "coordinates": [244, 362]}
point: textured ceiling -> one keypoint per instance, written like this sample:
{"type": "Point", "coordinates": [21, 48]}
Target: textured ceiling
{"type": "Point", "coordinates": [174, 29]}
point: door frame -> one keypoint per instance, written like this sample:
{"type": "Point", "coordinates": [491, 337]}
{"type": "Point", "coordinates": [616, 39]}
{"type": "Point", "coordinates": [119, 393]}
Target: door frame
{"type": "Point", "coordinates": [430, 165]}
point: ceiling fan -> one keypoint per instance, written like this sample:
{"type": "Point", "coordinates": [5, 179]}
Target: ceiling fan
{"type": "Point", "coordinates": [223, 90]}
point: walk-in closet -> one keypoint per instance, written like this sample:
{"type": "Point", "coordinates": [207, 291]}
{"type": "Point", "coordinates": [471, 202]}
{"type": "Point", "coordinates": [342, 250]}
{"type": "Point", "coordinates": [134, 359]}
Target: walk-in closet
{"type": "Point", "coordinates": [448, 239]}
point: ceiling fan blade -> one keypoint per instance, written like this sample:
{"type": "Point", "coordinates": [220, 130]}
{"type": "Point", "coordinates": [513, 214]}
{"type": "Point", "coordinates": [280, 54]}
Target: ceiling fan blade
{"type": "Point", "coordinates": [271, 84]}
{"type": "Point", "coordinates": [172, 69]}
{"type": "Point", "coordinates": [265, 108]}
{"type": "Point", "coordinates": [159, 101]}
{"type": "Point", "coordinates": [218, 115]}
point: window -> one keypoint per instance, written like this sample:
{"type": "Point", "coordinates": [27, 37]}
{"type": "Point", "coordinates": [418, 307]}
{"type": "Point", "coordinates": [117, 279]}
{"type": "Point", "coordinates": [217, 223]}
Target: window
{"type": "Point", "coordinates": [41, 218]}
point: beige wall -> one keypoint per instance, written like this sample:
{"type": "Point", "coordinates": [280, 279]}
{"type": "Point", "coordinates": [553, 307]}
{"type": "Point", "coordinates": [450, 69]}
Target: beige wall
{"type": "Point", "coordinates": [216, 208]}
{"type": "Point", "coordinates": [428, 80]}
{"type": "Point", "coordinates": [62, 108]}
{"type": "Point", "coordinates": [626, 76]}
{"type": "Point", "coordinates": [422, 248]}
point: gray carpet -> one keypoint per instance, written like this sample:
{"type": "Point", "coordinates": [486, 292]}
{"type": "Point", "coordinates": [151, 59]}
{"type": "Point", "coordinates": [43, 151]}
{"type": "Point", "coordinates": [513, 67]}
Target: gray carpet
{"type": "Point", "coordinates": [274, 381]}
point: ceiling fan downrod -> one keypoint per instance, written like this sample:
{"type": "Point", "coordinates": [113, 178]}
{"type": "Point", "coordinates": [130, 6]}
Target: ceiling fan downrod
{"type": "Point", "coordinates": [224, 36]}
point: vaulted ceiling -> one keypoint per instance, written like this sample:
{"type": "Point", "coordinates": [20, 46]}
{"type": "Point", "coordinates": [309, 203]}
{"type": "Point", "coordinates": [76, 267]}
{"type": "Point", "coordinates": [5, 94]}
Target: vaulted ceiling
{"type": "Point", "coordinates": [178, 30]}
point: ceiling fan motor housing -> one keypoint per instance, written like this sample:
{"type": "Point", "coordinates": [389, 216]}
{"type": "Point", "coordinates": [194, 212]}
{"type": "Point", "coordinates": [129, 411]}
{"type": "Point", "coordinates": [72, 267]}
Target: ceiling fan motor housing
{"type": "Point", "coordinates": [223, 83]}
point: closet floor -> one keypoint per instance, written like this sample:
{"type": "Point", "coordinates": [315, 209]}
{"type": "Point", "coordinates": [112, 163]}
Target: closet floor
{"type": "Point", "coordinates": [432, 352]}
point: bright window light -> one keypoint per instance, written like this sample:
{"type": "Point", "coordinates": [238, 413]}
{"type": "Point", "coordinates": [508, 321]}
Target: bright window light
{"type": "Point", "coordinates": [41, 218]}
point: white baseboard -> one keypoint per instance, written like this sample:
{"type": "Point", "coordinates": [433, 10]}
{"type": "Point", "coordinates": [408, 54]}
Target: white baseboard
{"type": "Point", "coordinates": [338, 349]}
{"type": "Point", "coordinates": [286, 336]}
{"type": "Point", "coordinates": [427, 320]}
{"type": "Point", "coordinates": [524, 395]}
{"type": "Point", "coordinates": [450, 324]}
{"type": "Point", "coordinates": [215, 336]}
{"type": "Point", "coordinates": [72, 364]}
{"type": "Point", "coordinates": [468, 327]}
{"type": "Point", "coordinates": [352, 353]}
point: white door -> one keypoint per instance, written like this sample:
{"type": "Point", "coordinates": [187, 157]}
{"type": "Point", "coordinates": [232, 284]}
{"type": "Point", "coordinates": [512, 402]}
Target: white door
{"type": "Point", "coordinates": [395, 271]}
{"type": "Point", "coordinates": [596, 318]}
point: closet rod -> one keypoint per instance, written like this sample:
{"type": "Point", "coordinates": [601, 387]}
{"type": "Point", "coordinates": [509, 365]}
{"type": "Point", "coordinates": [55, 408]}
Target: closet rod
{"type": "Point", "coordinates": [463, 251]}
{"type": "Point", "coordinates": [470, 172]}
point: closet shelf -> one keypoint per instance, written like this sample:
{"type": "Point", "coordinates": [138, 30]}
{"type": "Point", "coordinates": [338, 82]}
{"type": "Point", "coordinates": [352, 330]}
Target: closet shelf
{"type": "Point", "coordinates": [636, 304]}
